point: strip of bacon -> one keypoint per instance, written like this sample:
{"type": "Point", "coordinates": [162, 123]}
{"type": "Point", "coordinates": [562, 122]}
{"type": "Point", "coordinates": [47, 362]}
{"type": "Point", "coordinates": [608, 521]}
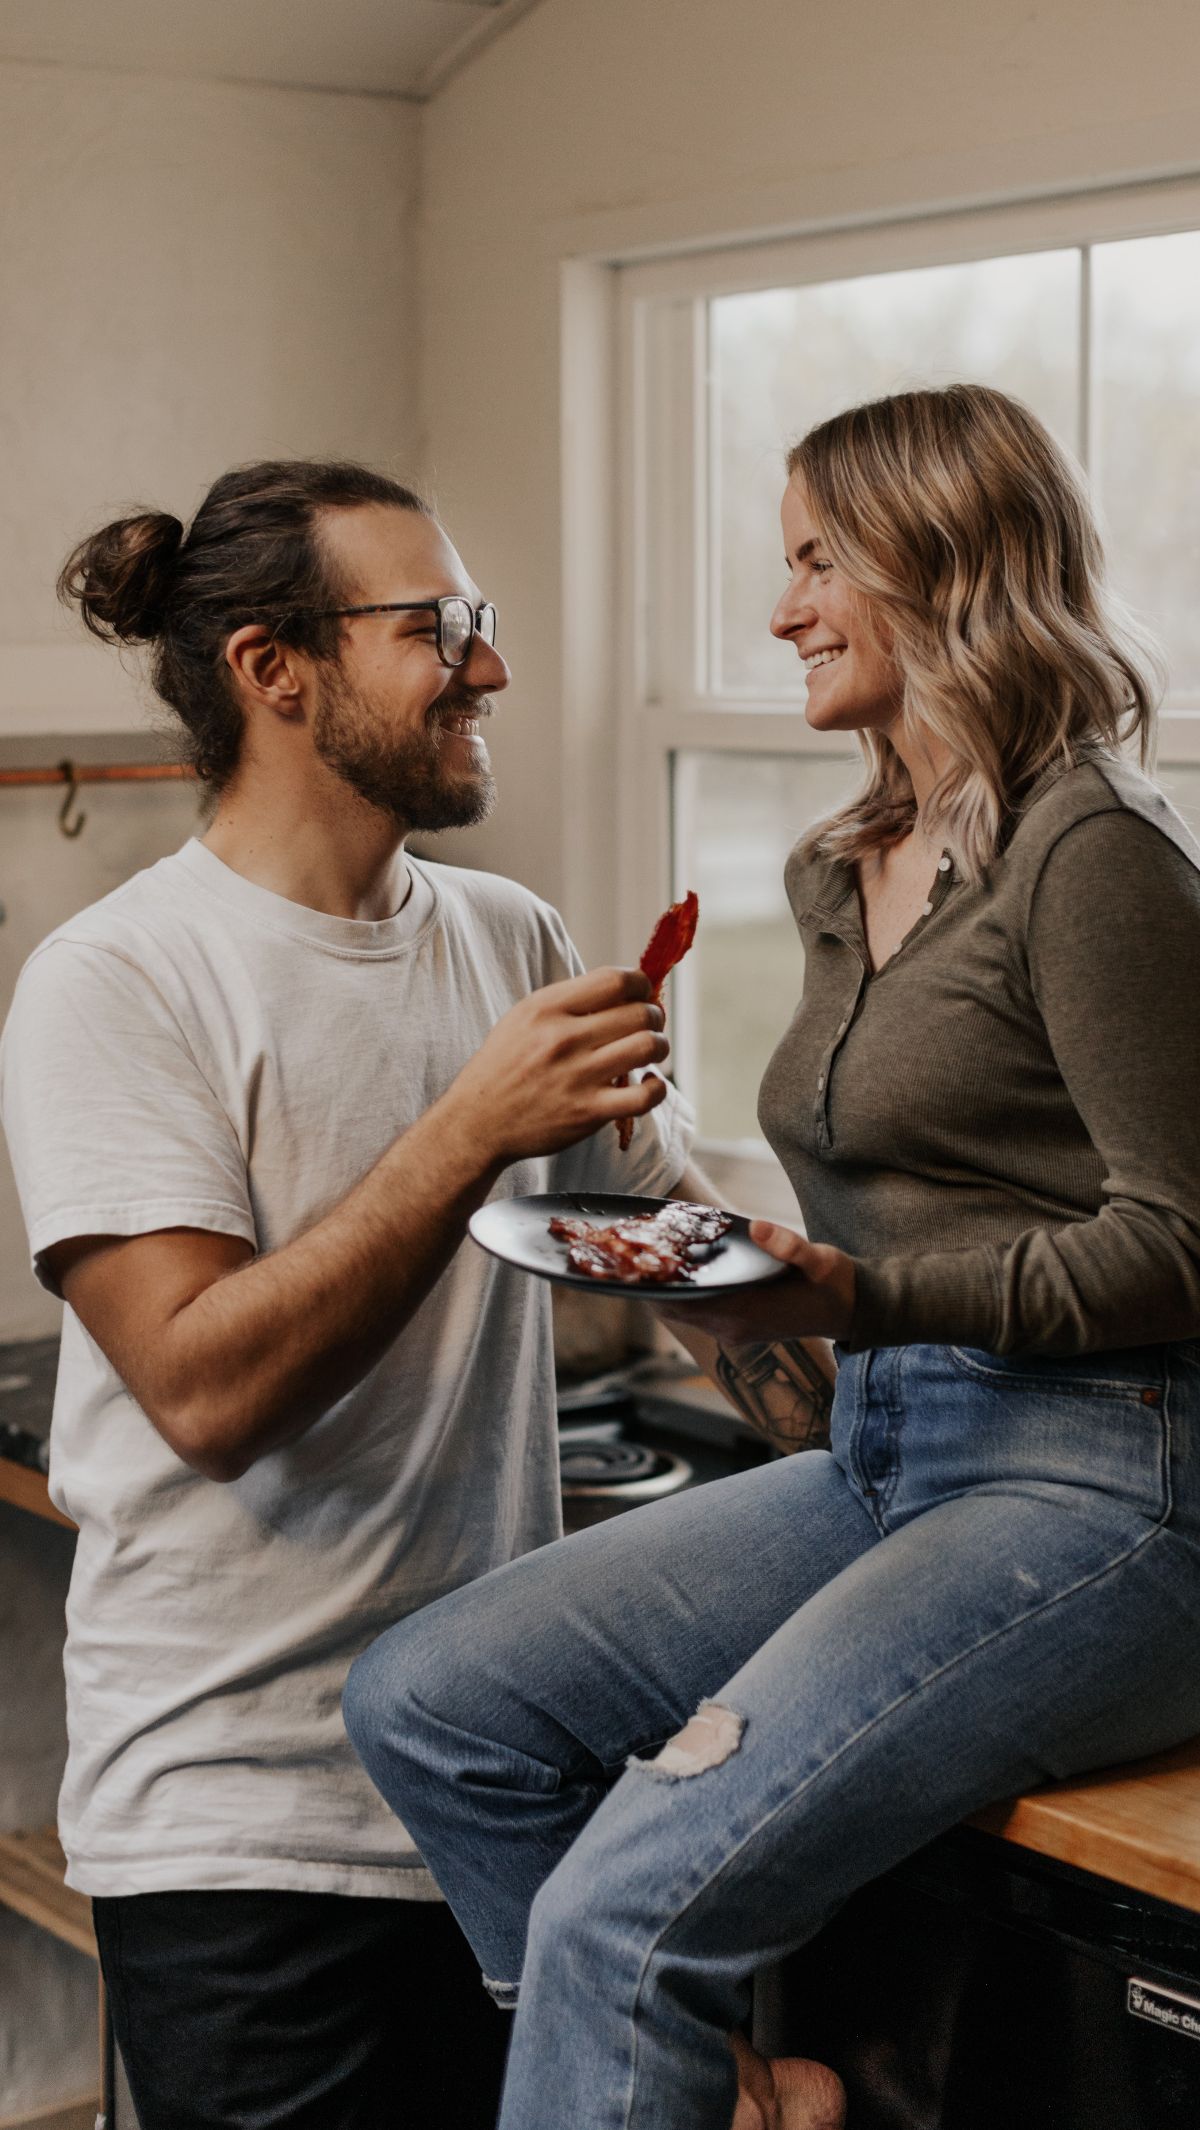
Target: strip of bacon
{"type": "Point", "coordinates": [669, 942]}
{"type": "Point", "coordinates": [643, 1249]}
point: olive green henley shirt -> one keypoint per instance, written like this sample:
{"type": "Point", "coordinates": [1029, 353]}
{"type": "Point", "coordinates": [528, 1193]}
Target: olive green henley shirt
{"type": "Point", "coordinates": [1002, 1124]}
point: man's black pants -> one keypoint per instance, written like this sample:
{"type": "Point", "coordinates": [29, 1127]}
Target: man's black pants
{"type": "Point", "coordinates": [314, 2011]}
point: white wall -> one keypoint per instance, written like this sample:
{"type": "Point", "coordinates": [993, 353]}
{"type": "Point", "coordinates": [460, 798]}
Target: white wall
{"type": "Point", "coordinates": [193, 275]}
{"type": "Point", "coordinates": [607, 128]}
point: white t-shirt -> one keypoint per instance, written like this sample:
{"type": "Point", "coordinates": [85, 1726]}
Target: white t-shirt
{"type": "Point", "coordinates": [195, 1051]}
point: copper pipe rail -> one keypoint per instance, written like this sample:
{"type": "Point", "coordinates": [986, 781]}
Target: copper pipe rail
{"type": "Point", "coordinates": [73, 774]}
{"type": "Point", "coordinates": [98, 773]}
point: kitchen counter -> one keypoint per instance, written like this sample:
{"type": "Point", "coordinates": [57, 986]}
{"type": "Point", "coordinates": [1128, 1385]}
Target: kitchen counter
{"type": "Point", "coordinates": [1137, 1825]}
{"type": "Point", "coordinates": [28, 1368]}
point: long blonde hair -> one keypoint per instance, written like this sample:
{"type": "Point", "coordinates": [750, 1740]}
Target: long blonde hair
{"type": "Point", "coordinates": [969, 539]}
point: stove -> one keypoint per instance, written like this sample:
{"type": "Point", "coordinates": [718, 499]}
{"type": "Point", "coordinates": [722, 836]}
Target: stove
{"type": "Point", "coordinates": [642, 1434]}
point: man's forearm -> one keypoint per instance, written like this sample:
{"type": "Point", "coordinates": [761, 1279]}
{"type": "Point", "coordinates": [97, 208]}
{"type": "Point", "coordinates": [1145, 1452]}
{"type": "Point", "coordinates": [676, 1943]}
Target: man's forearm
{"type": "Point", "coordinates": [231, 1355]}
{"type": "Point", "coordinates": [261, 1353]}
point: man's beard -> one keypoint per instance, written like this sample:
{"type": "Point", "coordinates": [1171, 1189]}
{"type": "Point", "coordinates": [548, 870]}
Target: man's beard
{"type": "Point", "coordinates": [407, 774]}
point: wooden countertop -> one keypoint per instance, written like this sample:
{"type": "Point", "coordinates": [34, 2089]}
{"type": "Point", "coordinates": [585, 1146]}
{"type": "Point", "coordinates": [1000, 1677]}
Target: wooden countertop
{"type": "Point", "coordinates": [1139, 1825]}
{"type": "Point", "coordinates": [31, 1882]}
{"type": "Point", "coordinates": [27, 1489]}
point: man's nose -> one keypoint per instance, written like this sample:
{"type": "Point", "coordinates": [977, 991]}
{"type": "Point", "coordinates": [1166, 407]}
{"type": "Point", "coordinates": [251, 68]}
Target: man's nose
{"type": "Point", "coordinates": [485, 667]}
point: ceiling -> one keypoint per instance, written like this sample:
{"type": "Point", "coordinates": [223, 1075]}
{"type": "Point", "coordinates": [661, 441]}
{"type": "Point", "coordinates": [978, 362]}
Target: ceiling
{"type": "Point", "coordinates": [382, 47]}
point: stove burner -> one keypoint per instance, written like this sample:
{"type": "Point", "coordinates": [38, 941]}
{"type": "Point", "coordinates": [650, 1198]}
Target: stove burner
{"type": "Point", "coordinates": [601, 1464]}
{"type": "Point", "coordinates": [611, 1463]}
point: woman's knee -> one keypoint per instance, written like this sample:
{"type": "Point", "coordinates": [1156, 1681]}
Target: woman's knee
{"type": "Point", "coordinates": [385, 1703]}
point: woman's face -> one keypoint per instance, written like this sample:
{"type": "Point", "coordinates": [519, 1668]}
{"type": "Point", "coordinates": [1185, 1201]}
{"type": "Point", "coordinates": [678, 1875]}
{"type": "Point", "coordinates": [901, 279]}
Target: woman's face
{"type": "Point", "coordinates": [852, 680]}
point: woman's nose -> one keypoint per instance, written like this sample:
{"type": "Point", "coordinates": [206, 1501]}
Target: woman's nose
{"type": "Point", "coordinates": [792, 614]}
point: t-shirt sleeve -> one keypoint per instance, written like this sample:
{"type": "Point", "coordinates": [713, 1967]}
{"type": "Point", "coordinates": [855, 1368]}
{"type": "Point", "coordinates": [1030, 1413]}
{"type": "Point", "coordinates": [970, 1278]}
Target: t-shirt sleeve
{"type": "Point", "coordinates": [1114, 958]}
{"type": "Point", "coordinates": [112, 1126]}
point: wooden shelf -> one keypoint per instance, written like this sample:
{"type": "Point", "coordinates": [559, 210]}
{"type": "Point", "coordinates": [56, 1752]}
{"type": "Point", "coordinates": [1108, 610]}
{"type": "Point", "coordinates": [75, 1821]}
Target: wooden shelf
{"type": "Point", "coordinates": [27, 1489]}
{"type": "Point", "coordinates": [62, 2115]}
{"type": "Point", "coordinates": [32, 1869]}
{"type": "Point", "coordinates": [1138, 1825]}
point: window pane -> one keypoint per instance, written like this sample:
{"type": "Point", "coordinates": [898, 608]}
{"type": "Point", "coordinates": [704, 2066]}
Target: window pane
{"type": "Point", "coordinates": [785, 358]}
{"type": "Point", "coordinates": [1182, 787]}
{"type": "Point", "coordinates": [1147, 422]}
{"type": "Point", "coordinates": [737, 817]}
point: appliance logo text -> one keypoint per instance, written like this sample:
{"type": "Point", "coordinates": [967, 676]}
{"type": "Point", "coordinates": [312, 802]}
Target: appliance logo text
{"type": "Point", "coordinates": [1163, 2007]}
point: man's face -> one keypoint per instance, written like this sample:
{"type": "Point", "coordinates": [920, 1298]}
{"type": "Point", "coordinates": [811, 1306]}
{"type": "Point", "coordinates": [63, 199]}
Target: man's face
{"type": "Point", "coordinates": [391, 720]}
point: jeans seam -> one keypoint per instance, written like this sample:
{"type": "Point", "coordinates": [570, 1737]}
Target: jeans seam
{"type": "Point", "coordinates": [1081, 1387]}
{"type": "Point", "coordinates": [1085, 1583]}
{"type": "Point", "coordinates": [132, 2054]}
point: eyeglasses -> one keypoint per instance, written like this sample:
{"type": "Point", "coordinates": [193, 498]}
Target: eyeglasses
{"type": "Point", "coordinates": [458, 622]}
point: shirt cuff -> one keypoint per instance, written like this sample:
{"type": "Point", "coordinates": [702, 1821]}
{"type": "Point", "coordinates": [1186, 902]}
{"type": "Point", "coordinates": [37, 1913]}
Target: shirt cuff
{"type": "Point", "coordinates": [940, 1298]}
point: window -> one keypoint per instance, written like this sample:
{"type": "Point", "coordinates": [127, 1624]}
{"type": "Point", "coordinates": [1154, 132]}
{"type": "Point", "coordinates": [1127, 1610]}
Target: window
{"type": "Point", "coordinates": [1087, 310]}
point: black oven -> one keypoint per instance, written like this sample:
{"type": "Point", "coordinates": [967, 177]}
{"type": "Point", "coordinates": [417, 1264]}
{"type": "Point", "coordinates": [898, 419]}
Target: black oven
{"type": "Point", "coordinates": [982, 1987]}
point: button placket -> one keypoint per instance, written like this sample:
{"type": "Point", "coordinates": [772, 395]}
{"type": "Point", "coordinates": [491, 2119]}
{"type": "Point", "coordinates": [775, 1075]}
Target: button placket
{"type": "Point", "coordinates": [942, 881]}
{"type": "Point", "coordinates": [821, 1106]}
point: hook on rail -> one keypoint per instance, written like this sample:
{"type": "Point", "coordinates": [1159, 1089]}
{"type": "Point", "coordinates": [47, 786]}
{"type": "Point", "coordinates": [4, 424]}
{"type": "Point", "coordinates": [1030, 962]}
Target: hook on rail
{"type": "Point", "coordinates": [69, 827]}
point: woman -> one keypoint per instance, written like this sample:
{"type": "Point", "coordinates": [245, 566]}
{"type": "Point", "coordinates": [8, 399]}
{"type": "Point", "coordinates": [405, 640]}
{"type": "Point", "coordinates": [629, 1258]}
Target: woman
{"type": "Point", "coordinates": [987, 1105]}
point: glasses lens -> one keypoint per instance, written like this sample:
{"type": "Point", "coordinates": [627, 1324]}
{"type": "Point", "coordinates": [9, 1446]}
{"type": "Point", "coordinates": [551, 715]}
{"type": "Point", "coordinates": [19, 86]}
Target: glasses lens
{"type": "Point", "coordinates": [486, 623]}
{"type": "Point", "coordinates": [457, 627]}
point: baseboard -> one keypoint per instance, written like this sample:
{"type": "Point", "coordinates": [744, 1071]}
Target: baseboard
{"type": "Point", "coordinates": [64, 2115]}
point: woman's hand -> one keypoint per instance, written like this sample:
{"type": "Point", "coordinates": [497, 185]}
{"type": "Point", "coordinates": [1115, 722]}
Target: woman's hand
{"type": "Point", "coordinates": [816, 1299]}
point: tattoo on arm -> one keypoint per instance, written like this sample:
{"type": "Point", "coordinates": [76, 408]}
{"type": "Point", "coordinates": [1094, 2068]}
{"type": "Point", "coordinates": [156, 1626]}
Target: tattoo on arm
{"type": "Point", "coordinates": [781, 1390]}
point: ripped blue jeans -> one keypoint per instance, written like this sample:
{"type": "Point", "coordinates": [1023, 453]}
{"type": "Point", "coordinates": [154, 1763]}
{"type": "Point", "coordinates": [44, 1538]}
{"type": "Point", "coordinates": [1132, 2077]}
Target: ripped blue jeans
{"type": "Point", "coordinates": [992, 1579]}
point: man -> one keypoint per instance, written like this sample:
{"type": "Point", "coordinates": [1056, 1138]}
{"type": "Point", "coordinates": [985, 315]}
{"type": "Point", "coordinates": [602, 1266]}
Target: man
{"type": "Point", "coordinates": [252, 1099]}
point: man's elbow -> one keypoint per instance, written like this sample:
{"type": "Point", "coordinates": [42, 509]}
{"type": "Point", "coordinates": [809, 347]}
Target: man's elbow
{"type": "Point", "coordinates": [217, 1461]}
{"type": "Point", "coordinates": [209, 1441]}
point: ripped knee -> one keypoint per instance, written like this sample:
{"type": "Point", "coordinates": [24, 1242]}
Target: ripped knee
{"type": "Point", "coordinates": [708, 1738]}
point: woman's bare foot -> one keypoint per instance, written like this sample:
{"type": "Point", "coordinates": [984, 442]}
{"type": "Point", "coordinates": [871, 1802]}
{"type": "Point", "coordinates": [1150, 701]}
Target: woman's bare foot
{"type": "Point", "coordinates": [785, 2092]}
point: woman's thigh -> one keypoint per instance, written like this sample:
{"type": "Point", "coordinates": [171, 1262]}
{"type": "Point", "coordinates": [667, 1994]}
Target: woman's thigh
{"type": "Point", "coordinates": [604, 1642]}
{"type": "Point", "coordinates": [998, 1640]}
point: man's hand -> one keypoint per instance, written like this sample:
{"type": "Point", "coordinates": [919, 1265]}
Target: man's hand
{"type": "Point", "coordinates": [544, 1078]}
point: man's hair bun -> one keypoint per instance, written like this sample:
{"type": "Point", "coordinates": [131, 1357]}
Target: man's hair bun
{"type": "Point", "coordinates": [121, 577]}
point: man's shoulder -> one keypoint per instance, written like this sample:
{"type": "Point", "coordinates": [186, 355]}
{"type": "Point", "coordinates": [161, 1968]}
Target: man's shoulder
{"type": "Point", "coordinates": [494, 906]}
{"type": "Point", "coordinates": [133, 922]}
{"type": "Point", "coordinates": [482, 890]}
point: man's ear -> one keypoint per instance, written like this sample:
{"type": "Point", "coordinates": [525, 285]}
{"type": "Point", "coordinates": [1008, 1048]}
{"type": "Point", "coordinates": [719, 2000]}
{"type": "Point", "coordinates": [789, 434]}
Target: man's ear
{"type": "Point", "coordinates": [266, 673]}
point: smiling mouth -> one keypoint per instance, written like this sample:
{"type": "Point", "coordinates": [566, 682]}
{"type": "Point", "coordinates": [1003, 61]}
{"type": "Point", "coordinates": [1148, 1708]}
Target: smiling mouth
{"type": "Point", "coordinates": [824, 658]}
{"type": "Point", "coordinates": [462, 718]}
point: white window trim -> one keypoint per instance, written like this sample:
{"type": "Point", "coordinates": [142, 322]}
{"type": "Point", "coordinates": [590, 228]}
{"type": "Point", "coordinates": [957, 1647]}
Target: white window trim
{"type": "Point", "coordinates": [619, 859]}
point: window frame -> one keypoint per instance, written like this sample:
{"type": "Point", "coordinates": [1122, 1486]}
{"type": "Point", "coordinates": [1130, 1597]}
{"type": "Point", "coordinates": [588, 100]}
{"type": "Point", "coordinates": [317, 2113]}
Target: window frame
{"type": "Point", "coordinates": [664, 566]}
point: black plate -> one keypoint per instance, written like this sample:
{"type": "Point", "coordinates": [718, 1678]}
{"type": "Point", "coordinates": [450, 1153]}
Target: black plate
{"type": "Point", "coordinates": [518, 1230]}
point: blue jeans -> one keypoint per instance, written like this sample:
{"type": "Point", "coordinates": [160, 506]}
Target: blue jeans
{"type": "Point", "coordinates": [991, 1580]}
